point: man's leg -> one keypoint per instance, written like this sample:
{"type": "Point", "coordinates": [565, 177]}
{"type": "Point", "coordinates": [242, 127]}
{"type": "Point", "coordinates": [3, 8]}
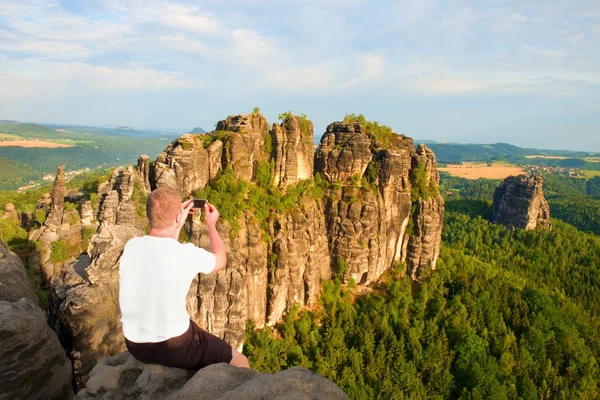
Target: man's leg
{"type": "Point", "coordinates": [238, 360]}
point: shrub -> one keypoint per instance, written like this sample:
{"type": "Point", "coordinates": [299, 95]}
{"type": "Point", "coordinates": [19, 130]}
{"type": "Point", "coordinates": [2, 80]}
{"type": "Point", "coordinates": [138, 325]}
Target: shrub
{"type": "Point", "coordinates": [382, 133]}
{"type": "Point", "coordinates": [59, 252]}
{"type": "Point", "coordinates": [263, 173]}
{"type": "Point", "coordinates": [285, 115]}
{"type": "Point", "coordinates": [40, 215]}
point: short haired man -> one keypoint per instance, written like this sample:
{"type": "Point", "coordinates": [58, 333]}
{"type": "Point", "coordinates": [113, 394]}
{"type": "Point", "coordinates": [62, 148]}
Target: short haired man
{"type": "Point", "coordinates": [155, 275]}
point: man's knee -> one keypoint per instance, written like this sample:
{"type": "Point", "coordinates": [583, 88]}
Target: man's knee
{"type": "Point", "coordinates": [239, 360]}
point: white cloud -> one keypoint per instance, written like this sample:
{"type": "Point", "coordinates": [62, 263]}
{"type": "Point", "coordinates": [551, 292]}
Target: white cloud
{"type": "Point", "coordinates": [544, 52]}
{"type": "Point", "coordinates": [188, 18]}
{"type": "Point", "coordinates": [447, 86]}
{"type": "Point", "coordinates": [518, 18]}
{"type": "Point", "coordinates": [373, 65]}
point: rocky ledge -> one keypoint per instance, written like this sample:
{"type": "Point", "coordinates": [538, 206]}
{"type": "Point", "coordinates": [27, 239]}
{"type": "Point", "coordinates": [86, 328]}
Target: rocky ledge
{"type": "Point", "coordinates": [123, 377]}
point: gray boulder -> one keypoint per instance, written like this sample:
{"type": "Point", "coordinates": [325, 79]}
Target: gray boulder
{"type": "Point", "coordinates": [123, 377]}
{"type": "Point", "coordinates": [33, 364]}
{"type": "Point", "coordinates": [14, 284]}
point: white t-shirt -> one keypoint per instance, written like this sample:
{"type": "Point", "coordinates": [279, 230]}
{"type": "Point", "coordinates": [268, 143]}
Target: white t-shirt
{"type": "Point", "coordinates": [155, 276]}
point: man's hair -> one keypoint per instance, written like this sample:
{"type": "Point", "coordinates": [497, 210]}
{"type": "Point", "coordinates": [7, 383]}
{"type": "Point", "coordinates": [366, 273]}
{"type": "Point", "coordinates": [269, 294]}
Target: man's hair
{"type": "Point", "coordinates": [162, 205]}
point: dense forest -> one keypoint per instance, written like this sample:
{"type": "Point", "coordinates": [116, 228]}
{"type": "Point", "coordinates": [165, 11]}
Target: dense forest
{"type": "Point", "coordinates": [507, 314]}
{"type": "Point", "coordinates": [572, 200]}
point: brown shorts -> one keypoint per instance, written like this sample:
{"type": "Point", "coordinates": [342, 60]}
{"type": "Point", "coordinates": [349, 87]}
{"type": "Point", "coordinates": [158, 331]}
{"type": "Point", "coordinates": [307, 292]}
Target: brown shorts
{"type": "Point", "coordinates": [194, 349]}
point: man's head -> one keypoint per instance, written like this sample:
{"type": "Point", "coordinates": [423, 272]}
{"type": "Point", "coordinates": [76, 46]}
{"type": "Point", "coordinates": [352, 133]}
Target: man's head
{"type": "Point", "coordinates": [162, 208]}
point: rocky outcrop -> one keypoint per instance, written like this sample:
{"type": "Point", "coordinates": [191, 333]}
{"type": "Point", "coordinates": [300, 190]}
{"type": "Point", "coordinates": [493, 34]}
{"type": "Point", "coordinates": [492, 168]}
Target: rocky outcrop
{"type": "Point", "coordinates": [368, 208]}
{"type": "Point", "coordinates": [14, 283]}
{"type": "Point", "coordinates": [116, 207]}
{"type": "Point", "coordinates": [244, 143]}
{"type": "Point", "coordinates": [292, 150]}
{"type": "Point", "coordinates": [54, 219]}
{"type": "Point", "coordinates": [60, 225]}
{"type": "Point", "coordinates": [83, 300]}
{"type": "Point", "coordinates": [34, 365]}
{"type": "Point", "coordinates": [143, 171]}
{"type": "Point", "coordinates": [10, 212]}
{"type": "Point", "coordinates": [519, 202]}
{"type": "Point", "coordinates": [424, 243]}
{"type": "Point", "coordinates": [374, 204]}
{"type": "Point", "coordinates": [183, 165]}
{"type": "Point", "coordinates": [123, 377]}
{"type": "Point", "coordinates": [87, 213]}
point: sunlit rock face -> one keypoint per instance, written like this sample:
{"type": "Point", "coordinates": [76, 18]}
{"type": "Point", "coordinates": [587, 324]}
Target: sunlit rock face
{"type": "Point", "coordinates": [519, 202]}
{"type": "Point", "coordinates": [378, 205]}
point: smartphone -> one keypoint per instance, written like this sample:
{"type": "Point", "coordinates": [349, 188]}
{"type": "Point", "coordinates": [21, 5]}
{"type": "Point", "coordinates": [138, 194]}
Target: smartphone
{"type": "Point", "coordinates": [199, 203]}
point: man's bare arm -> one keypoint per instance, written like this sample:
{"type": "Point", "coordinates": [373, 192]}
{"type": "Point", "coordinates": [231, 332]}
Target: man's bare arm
{"type": "Point", "coordinates": [217, 247]}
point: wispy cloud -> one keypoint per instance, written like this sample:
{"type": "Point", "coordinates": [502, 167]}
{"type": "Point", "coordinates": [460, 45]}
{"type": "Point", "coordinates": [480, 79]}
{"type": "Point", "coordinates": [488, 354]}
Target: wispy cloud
{"type": "Point", "coordinates": [267, 49]}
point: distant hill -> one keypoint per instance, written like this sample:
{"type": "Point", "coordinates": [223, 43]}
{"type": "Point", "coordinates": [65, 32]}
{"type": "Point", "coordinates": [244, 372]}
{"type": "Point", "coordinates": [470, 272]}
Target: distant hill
{"type": "Point", "coordinates": [197, 130]}
{"type": "Point", "coordinates": [455, 153]}
{"type": "Point", "coordinates": [91, 147]}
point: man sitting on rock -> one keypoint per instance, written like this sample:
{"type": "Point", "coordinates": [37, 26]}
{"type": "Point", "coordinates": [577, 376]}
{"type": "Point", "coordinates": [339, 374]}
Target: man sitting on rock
{"type": "Point", "coordinates": [155, 275]}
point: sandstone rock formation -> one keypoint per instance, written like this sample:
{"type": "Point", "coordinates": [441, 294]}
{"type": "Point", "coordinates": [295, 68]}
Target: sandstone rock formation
{"type": "Point", "coordinates": [123, 377]}
{"type": "Point", "coordinates": [60, 225]}
{"type": "Point", "coordinates": [54, 219]}
{"type": "Point", "coordinates": [10, 212]}
{"type": "Point", "coordinates": [362, 221]}
{"type": "Point", "coordinates": [378, 206]}
{"type": "Point", "coordinates": [519, 202]}
{"type": "Point", "coordinates": [14, 283]}
{"type": "Point", "coordinates": [292, 150]}
{"type": "Point", "coordinates": [83, 300]}
{"type": "Point", "coordinates": [244, 143]}
{"type": "Point", "coordinates": [183, 165]}
{"type": "Point", "coordinates": [143, 170]}
{"type": "Point", "coordinates": [34, 365]}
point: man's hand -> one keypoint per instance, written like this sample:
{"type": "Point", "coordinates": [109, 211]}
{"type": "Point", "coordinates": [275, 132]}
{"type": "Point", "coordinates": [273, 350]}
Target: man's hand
{"type": "Point", "coordinates": [186, 207]}
{"type": "Point", "coordinates": [211, 214]}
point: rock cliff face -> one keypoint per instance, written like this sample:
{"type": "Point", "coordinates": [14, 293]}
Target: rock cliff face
{"type": "Point", "coordinates": [123, 377]}
{"type": "Point", "coordinates": [359, 228]}
{"type": "Point", "coordinates": [34, 365]}
{"type": "Point", "coordinates": [373, 203]}
{"type": "Point", "coordinates": [292, 150]}
{"type": "Point", "coordinates": [143, 170]}
{"type": "Point", "coordinates": [83, 300]}
{"type": "Point", "coordinates": [60, 225]}
{"type": "Point", "coordinates": [54, 219]}
{"type": "Point", "coordinates": [519, 202]}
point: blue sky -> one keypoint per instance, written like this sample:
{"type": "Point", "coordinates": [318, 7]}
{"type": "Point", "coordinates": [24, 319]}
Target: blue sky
{"type": "Point", "coordinates": [523, 72]}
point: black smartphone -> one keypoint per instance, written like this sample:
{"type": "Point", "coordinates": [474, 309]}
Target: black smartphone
{"type": "Point", "coordinates": [199, 203]}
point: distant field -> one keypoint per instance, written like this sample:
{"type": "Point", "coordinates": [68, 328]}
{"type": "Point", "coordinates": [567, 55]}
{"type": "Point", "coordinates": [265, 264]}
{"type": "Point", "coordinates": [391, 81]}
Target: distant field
{"type": "Point", "coordinates": [32, 143]}
{"type": "Point", "coordinates": [548, 157]}
{"type": "Point", "coordinates": [592, 159]}
{"type": "Point", "coordinates": [590, 174]}
{"type": "Point", "coordinates": [482, 170]}
{"type": "Point", "coordinates": [9, 136]}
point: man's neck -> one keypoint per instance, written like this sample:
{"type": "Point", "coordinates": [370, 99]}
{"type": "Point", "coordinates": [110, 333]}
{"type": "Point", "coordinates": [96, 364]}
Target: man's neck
{"type": "Point", "coordinates": [164, 233]}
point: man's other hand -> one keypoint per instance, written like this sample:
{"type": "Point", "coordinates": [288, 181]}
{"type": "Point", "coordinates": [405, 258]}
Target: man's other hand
{"type": "Point", "coordinates": [211, 214]}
